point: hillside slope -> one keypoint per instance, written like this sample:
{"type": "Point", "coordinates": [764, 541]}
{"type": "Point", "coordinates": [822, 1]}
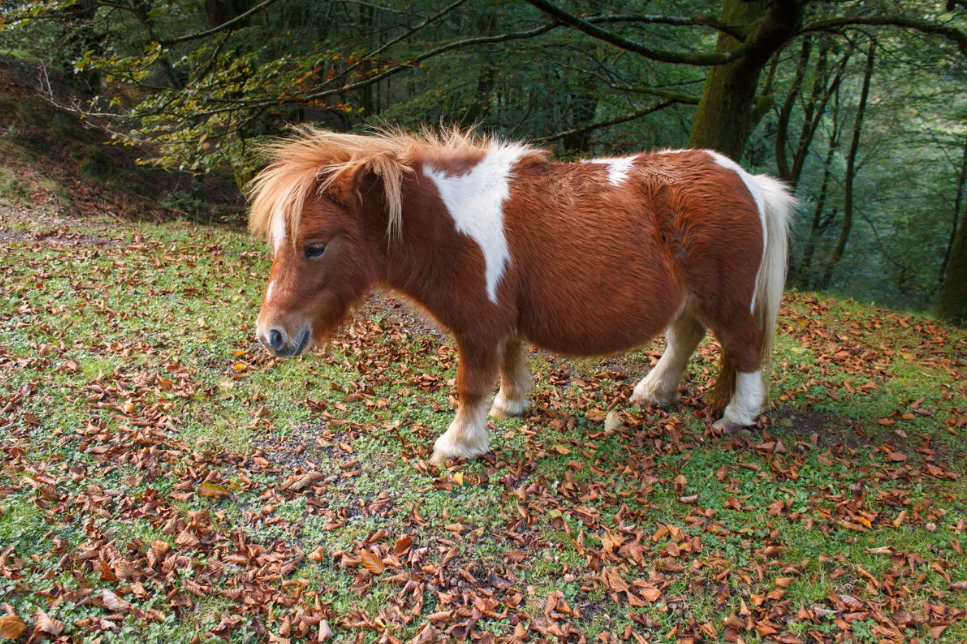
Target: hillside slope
{"type": "Point", "coordinates": [163, 479]}
{"type": "Point", "coordinates": [50, 158]}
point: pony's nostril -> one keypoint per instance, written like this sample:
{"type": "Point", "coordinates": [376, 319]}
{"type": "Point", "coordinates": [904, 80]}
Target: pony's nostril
{"type": "Point", "coordinates": [275, 339]}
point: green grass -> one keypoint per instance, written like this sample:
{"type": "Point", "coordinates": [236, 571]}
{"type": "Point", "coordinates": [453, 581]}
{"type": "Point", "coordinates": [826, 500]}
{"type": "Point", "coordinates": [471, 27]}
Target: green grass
{"type": "Point", "coordinates": [129, 377]}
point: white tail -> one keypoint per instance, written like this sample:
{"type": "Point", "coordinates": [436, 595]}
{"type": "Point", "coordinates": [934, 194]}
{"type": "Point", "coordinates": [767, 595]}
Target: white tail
{"type": "Point", "coordinates": [779, 206]}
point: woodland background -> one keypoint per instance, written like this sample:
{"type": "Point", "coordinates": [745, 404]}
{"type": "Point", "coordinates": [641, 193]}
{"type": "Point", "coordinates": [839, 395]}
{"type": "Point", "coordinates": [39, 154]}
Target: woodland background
{"type": "Point", "coordinates": [860, 105]}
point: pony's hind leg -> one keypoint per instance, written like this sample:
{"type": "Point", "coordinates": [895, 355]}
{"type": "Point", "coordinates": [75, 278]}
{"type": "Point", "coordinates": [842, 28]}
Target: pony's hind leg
{"type": "Point", "coordinates": [516, 384]}
{"type": "Point", "coordinates": [660, 386]}
{"type": "Point", "coordinates": [740, 374]}
{"type": "Point", "coordinates": [467, 434]}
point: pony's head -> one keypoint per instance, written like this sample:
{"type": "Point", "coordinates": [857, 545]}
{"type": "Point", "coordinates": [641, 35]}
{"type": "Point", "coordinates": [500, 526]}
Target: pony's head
{"type": "Point", "coordinates": [328, 203]}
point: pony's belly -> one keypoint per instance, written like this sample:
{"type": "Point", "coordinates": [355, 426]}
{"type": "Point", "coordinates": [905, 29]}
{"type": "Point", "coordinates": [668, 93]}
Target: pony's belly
{"type": "Point", "coordinates": [593, 333]}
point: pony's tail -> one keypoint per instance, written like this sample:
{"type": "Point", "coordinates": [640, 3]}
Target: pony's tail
{"type": "Point", "coordinates": [779, 204]}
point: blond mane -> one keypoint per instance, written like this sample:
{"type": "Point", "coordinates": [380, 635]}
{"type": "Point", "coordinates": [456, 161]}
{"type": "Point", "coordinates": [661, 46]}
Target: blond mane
{"type": "Point", "coordinates": [315, 161]}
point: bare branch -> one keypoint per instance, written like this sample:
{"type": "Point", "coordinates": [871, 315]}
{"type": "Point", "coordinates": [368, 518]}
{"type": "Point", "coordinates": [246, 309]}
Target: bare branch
{"type": "Point", "coordinates": [660, 55]}
{"type": "Point", "coordinates": [737, 32]}
{"type": "Point", "coordinates": [469, 42]}
{"type": "Point", "coordinates": [225, 25]}
{"type": "Point", "coordinates": [953, 34]}
{"type": "Point", "coordinates": [608, 123]}
{"type": "Point", "coordinates": [677, 97]}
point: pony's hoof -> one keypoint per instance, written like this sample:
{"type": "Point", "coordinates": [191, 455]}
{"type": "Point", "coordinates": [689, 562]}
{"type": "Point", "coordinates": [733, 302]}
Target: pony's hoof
{"type": "Point", "coordinates": [727, 427]}
{"type": "Point", "coordinates": [503, 409]}
{"type": "Point", "coordinates": [648, 397]}
{"type": "Point", "coordinates": [446, 449]}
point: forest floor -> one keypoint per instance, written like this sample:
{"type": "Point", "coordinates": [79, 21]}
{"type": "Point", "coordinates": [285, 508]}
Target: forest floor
{"type": "Point", "coordinates": [163, 479]}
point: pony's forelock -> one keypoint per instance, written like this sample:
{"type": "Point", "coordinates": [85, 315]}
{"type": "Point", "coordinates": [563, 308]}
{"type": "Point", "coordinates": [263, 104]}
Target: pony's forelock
{"type": "Point", "coordinates": [317, 161]}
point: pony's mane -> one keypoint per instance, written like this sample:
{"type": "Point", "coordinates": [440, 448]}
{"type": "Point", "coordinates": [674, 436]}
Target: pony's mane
{"type": "Point", "coordinates": [317, 160]}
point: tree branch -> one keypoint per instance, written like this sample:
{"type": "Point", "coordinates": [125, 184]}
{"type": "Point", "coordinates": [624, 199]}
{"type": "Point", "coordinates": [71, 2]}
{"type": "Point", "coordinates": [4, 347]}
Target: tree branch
{"type": "Point", "coordinates": [225, 25]}
{"type": "Point", "coordinates": [685, 99]}
{"type": "Point", "coordinates": [482, 40]}
{"type": "Point", "coordinates": [660, 55]}
{"type": "Point", "coordinates": [608, 123]}
{"type": "Point", "coordinates": [735, 31]}
{"type": "Point", "coordinates": [924, 26]}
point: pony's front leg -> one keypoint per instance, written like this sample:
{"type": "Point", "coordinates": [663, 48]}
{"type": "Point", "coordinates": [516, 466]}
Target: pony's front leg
{"type": "Point", "coordinates": [516, 384]}
{"type": "Point", "coordinates": [467, 435]}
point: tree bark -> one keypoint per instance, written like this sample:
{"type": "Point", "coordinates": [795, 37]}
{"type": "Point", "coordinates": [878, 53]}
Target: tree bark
{"type": "Point", "coordinates": [958, 200]}
{"type": "Point", "coordinates": [851, 171]}
{"type": "Point", "coordinates": [801, 275]}
{"type": "Point", "coordinates": [953, 295]}
{"type": "Point", "coordinates": [725, 116]}
{"type": "Point", "coordinates": [785, 113]}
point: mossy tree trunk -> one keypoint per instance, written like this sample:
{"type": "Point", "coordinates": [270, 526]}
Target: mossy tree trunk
{"type": "Point", "coordinates": [728, 111]}
{"type": "Point", "coordinates": [953, 295]}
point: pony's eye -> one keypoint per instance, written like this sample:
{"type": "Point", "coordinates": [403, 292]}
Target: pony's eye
{"type": "Point", "coordinates": [315, 250]}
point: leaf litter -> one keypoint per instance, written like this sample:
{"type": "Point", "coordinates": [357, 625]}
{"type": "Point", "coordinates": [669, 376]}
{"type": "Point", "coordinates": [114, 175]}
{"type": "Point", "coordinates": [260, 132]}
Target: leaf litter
{"type": "Point", "coordinates": [591, 520]}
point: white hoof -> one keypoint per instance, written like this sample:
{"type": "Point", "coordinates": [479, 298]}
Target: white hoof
{"type": "Point", "coordinates": [654, 390]}
{"type": "Point", "coordinates": [726, 426]}
{"type": "Point", "coordinates": [446, 448]}
{"type": "Point", "coordinates": [504, 408]}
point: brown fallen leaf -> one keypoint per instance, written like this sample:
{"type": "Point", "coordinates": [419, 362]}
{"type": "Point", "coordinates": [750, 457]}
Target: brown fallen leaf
{"type": "Point", "coordinates": [298, 483]}
{"type": "Point", "coordinates": [47, 624]}
{"type": "Point", "coordinates": [325, 633]}
{"type": "Point", "coordinates": [403, 545]}
{"type": "Point", "coordinates": [317, 555]}
{"type": "Point", "coordinates": [371, 562]}
{"type": "Point", "coordinates": [426, 636]}
{"type": "Point", "coordinates": [612, 421]}
{"type": "Point", "coordinates": [883, 550]}
{"type": "Point", "coordinates": [11, 627]}
{"type": "Point", "coordinates": [595, 415]}
{"type": "Point", "coordinates": [211, 490]}
{"type": "Point", "coordinates": [114, 603]}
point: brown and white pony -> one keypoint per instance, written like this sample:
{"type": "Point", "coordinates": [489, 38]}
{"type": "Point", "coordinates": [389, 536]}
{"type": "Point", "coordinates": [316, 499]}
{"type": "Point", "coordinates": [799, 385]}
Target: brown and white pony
{"type": "Point", "coordinates": [504, 246]}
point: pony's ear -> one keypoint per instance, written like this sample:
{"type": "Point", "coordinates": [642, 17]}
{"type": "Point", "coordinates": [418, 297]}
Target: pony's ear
{"type": "Point", "coordinates": [343, 183]}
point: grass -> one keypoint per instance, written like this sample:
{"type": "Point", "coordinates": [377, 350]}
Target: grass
{"type": "Point", "coordinates": [129, 379]}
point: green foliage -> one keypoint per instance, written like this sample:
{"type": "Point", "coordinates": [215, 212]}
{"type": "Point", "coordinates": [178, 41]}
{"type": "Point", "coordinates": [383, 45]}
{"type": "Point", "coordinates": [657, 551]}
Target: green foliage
{"type": "Point", "coordinates": [200, 84]}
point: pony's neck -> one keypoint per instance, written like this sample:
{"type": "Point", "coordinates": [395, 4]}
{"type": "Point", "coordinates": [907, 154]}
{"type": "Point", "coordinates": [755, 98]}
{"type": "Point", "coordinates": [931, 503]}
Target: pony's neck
{"type": "Point", "coordinates": [422, 260]}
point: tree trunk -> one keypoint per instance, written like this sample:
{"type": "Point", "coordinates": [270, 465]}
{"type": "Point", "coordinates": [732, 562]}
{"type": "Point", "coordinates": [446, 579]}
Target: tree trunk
{"type": "Point", "coordinates": [785, 114]}
{"type": "Point", "coordinates": [961, 181]}
{"type": "Point", "coordinates": [479, 108]}
{"type": "Point", "coordinates": [851, 172]}
{"type": "Point", "coordinates": [953, 295]}
{"type": "Point", "coordinates": [583, 110]}
{"type": "Point", "coordinates": [725, 116]}
{"type": "Point", "coordinates": [801, 275]}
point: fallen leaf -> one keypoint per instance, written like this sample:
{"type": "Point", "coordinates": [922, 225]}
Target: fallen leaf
{"type": "Point", "coordinates": [47, 624]}
{"type": "Point", "coordinates": [11, 627]}
{"type": "Point", "coordinates": [210, 490]}
{"type": "Point", "coordinates": [403, 545]}
{"type": "Point", "coordinates": [114, 603]}
{"type": "Point", "coordinates": [372, 563]}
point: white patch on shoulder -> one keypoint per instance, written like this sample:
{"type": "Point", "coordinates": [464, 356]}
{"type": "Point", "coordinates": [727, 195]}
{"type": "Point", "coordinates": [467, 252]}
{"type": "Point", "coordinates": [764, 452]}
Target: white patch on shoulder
{"type": "Point", "coordinates": [475, 201]}
{"type": "Point", "coordinates": [618, 169]}
{"type": "Point", "coordinates": [278, 229]}
{"type": "Point", "coordinates": [753, 187]}
{"type": "Point", "coordinates": [670, 151]}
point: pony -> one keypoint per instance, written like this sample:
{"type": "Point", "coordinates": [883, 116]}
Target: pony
{"type": "Point", "coordinates": [504, 246]}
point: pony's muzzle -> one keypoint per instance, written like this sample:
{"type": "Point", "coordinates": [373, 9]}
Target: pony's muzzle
{"type": "Point", "coordinates": [281, 344]}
